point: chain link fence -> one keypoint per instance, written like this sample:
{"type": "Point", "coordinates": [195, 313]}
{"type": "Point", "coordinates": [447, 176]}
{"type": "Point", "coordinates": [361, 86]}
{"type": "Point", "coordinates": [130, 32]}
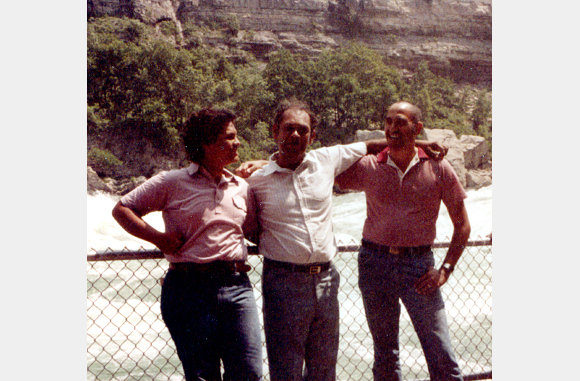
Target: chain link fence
{"type": "Point", "coordinates": [128, 340]}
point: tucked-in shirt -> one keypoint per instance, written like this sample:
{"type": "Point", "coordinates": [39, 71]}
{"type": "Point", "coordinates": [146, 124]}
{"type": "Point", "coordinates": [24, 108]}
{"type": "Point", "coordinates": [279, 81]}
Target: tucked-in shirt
{"type": "Point", "coordinates": [402, 207]}
{"type": "Point", "coordinates": [208, 215]}
{"type": "Point", "coordinates": [294, 207]}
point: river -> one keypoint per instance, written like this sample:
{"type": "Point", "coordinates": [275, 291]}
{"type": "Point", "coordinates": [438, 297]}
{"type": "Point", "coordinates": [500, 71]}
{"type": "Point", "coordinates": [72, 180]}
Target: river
{"type": "Point", "coordinates": [115, 292]}
{"type": "Point", "coordinates": [349, 211]}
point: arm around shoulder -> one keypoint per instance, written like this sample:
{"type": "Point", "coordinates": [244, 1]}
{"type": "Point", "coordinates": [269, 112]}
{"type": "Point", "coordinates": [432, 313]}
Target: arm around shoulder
{"type": "Point", "coordinates": [375, 146]}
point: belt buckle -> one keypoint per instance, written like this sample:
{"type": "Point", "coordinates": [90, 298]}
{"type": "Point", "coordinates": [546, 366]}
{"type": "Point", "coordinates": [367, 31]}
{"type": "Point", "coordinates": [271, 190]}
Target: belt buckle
{"type": "Point", "coordinates": [394, 250]}
{"type": "Point", "coordinates": [314, 270]}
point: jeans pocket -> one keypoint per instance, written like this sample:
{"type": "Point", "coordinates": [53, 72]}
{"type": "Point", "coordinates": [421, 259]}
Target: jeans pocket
{"type": "Point", "coordinates": [414, 267]}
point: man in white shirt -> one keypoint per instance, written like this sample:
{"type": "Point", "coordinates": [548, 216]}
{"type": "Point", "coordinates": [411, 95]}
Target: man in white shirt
{"type": "Point", "coordinates": [292, 225]}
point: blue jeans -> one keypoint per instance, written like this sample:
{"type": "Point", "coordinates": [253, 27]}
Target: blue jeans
{"type": "Point", "coordinates": [301, 322]}
{"type": "Point", "coordinates": [383, 280]}
{"type": "Point", "coordinates": [212, 317]}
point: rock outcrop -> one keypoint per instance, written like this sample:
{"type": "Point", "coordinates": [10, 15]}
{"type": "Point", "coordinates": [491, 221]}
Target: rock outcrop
{"type": "Point", "coordinates": [469, 155]}
{"type": "Point", "coordinates": [109, 185]}
{"type": "Point", "coordinates": [95, 183]}
{"type": "Point", "coordinates": [453, 36]}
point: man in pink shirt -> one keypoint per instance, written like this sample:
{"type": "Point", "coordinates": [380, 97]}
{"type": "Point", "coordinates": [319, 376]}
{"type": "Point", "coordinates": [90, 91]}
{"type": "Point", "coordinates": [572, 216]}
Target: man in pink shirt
{"type": "Point", "coordinates": [404, 190]}
{"type": "Point", "coordinates": [207, 300]}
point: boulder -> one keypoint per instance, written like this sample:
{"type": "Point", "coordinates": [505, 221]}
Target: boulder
{"type": "Point", "coordinates": [455, 154]}
{"type": "Point", "coordinates": [445, 137]}
{"type": "Point", "coordinates": [362, 135]}
{"type": "Point", "coordinates": [128, 185]}
{"type": "Point", "coordinates": [475, 151]}
{"type": "Point", "coordinates": [94, 183]}
{"type": "Point", "coordinates": [477, 178]}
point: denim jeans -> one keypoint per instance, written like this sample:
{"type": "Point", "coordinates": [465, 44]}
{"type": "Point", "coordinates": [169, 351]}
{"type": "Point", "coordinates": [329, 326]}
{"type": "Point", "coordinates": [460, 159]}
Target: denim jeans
{"type": "Point", "coordinates": [383, 280]}
{"type": "Point", "coordinates": [301, 322]}
{"type": "Point", "coordinates": [212, 317]}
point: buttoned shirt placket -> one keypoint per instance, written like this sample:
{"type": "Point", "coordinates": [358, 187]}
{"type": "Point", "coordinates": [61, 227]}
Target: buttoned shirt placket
{"type": "Point", "coordinates": [218, 190]}
{"type": "Point", "coordinates": [298, 188]}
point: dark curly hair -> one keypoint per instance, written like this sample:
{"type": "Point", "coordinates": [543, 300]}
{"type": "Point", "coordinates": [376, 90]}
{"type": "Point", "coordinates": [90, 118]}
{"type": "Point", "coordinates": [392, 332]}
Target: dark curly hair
{"type": "Point", "coordinates": [203, 127]}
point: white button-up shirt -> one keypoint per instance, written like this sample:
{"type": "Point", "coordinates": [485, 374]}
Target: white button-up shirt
{"type": "Point", "coordinates": [294, 207]}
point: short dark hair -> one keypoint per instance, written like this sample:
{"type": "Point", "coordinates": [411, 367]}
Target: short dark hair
{"type": "Point", "coordinates": [294, 103]}
{"type": "Point", "coordinates": [203, 127]}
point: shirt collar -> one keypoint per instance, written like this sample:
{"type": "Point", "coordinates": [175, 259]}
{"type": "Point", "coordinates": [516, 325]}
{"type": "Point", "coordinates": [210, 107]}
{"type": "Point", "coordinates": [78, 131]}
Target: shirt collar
{"type": "Point", "coordinates": [226, 175]}
{"type": "Point", "coordinates": [383, 156]}
{"type": "Point", "coordinates": [272, 166]}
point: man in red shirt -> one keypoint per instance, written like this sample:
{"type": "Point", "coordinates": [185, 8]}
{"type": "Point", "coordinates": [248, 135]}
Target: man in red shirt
{"type": "Point", "coordinates": [404, 190]}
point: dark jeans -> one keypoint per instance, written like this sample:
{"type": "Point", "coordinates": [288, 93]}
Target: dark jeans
{"type": "Point", "coordinates": [301, 321]}
{"type": "Point", "coordinates": [383, 280]}
{"type": "Point", "coordinates": [212, 317]}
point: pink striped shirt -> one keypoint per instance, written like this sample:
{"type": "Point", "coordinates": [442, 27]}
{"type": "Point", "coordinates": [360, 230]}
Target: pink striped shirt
{"type": "Point", "coordinates": [208, 215]}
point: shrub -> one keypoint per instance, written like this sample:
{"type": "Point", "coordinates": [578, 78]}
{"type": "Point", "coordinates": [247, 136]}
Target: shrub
{"type": "Point", "coordinates": [103, 161]}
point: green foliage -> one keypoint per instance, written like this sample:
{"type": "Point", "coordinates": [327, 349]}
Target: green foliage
{"type": "Point", "coordinates": [142, 88]}
{"type": "Point", "coordinates": [95, 120]}
{"type": "Point", "coordinates": [168, 28]}
{"type": "Point", "coordinates": [481, 114]}
{"type": "Point", "coordinates": [231, 24]}
{"type": "Point", "coordinates": [346, 87]}
{"type": "Point", "coordinates": [103, 161]}
{"type": "Point", "coordinates": [285, 75]}
{"type": "Point", "coordinates": [439, 101]}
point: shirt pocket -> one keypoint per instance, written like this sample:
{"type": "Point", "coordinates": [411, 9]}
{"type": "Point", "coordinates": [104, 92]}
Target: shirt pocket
{"type": "Point", "coordinates": [316, 188]}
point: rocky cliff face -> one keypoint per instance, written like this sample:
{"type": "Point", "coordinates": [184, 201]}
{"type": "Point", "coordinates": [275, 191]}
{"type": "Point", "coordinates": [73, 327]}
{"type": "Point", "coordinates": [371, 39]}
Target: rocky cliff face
{"type": "Point", "coordinates": [454, 36]}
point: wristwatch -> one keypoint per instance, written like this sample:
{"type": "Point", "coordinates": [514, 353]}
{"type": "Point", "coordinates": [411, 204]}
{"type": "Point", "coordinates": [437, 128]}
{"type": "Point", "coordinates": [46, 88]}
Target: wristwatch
{"type": "Point", "coordinates": [448, 267]}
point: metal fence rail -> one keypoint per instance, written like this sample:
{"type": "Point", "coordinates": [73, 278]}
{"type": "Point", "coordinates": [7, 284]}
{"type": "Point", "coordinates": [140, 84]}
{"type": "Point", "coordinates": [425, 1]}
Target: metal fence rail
{"type": "Point", "coordinates": [127, 339]}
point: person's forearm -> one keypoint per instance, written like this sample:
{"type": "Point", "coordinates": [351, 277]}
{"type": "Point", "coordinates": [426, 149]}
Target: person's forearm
{"type": "Point", "coordinates": [458, 241]}
{"type": "Point", "coordinates": [135, 225]}
{"type": "Point", "coordinates": [376, 145]}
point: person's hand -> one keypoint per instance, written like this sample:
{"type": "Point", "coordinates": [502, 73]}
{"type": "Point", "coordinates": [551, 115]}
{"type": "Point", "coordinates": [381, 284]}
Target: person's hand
{"type": "Point", "coordinates": [435, 150]}
{"type": "Point", "coordinates": [169, 243]}
{"type": "Point", "coordinates": [431, 281]}
{"type": "Point", "coordinates": [246, 169]}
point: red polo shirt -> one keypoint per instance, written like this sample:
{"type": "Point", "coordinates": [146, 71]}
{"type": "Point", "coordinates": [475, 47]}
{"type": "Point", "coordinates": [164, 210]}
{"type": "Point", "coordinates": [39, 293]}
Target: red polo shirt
{"type": "Point", "coordinates": [402, 209]}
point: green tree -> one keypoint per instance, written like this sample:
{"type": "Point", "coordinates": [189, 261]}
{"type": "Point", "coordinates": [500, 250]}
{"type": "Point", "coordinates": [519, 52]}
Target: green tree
{"type": "Point", "coordinates": [349, 88]}
{"type": "Point", "coordinates": [480, 116]}
{"type": "Point", "coordinates": [439, 100]}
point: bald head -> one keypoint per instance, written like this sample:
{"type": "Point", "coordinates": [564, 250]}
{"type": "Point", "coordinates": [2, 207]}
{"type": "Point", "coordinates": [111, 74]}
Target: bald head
{"type": "Point", "coordinates": [409, 109]}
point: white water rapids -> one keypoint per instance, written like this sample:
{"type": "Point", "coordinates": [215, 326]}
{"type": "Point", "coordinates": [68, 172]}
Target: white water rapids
{"type": "Point", "coordinates": [349, 212]}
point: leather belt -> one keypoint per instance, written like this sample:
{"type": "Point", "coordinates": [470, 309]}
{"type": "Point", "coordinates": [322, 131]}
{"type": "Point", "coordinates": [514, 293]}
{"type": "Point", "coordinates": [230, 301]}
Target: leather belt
{"type": "Point", "coordinates": [310, 268]}
{"type": "Point", "coordinates": [212, 267]}
{"type": "Point", "coordinates": [395, 250]}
